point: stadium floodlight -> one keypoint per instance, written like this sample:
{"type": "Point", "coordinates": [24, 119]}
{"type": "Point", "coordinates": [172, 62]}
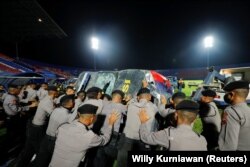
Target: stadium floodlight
{"type": "Point", "coordinates": [95, 47]}
{"type": "Point", "coordinates": [208, 42]}
{"type": "Point", "coordinates": [39, 20]}
{"type": "Point", "coordinates": [95, 43]}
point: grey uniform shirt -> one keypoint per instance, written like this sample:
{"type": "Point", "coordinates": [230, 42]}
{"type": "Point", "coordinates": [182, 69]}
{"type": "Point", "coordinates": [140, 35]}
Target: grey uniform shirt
{"type": "Point", "coordinates": [11, 105]}
{"type": "Point", "coordinates": [73, 141]}
{"type": "Point", "coordinates": [99, 103]}
{"type": "Point", "coordinates": [164, 112]}
{"type": "Point", "coordinates": [41, 93]}
{"type": "Point", "coordinates": [235, 129]}
{"type": "Point", "coordinates": [213, 116]}
{"type": "Point", "coordinates": [108, 109]}
{"type": "Point", "coordinates": [78, 103]}
{"type": "Point", "coordinates": [133, 122]}
{"type": "Point", "coordinates": [30, 96]}
{"type": "Point", "coordinates": [44, 109]}
{"type": "Point", "coordinates": [181, 138]}
{"type": "Point", "coordinates": [57, 100]}
{"type": "Point", "coordinates": [58, 117]}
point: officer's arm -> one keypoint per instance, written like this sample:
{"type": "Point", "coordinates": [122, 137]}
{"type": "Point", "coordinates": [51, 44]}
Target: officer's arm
{"type": "Point", "coordinates": [228, 138]}
{"type": "Point", "coordinates": [26, 100]}
{"type": "Point", "coordinates": [33, 96]}
{"type": "Point", "coordinates": [100, 140]}
{"type": "Point", "coordinates": [15, 108]}
{"type": "Point", "coordinates": [48, 108]}
{"type": "Point", "coordinates": [165, 112]}
{"type": "Point", "coordinates": [154, 138]}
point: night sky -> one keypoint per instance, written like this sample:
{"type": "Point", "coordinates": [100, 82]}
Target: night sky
{"type": "Point", "coordinates": [145, 34]}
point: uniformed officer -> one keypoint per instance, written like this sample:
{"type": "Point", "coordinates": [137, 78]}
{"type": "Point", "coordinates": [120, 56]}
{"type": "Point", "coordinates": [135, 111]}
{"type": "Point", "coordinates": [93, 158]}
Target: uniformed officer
{"type": "Point", "coordinates": [130, 140]}
{"type": "Point", "coordinates": [58, 117]}
{"type": "Point", "coordinates": [70, 90]}
{"type": "Point", "coordinates": [75, 139]}
{"type": "Point", "coordinates": [79, 99]}
{"type": "Point", "coordinates": [36, 129]}
{"type": "Point", "coordinates": [93, 95]}
{"type": "Point", "coordinates": [167, 110]}
{"type": "Point", "coordinates": [31, 93]}
{"type": "Point", "coordinates": [108, 153]}
{"type": "Point", "coordinates": [180, 138]}
{"type": "Point", "coordinates": [13, 109]}
{"type": "Point", "coordinates": [42, 91]}
{"type": "Point", "coordinates": [235, 127]}
{"type": "Point", "coordinates": [11, 102]}
{"type": "Point", "coordinates": [211, 119]}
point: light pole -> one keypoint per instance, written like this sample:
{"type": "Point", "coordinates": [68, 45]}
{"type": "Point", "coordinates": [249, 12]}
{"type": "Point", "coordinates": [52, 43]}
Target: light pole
{"type": "Point", "coordinates": [95, 47]}
{"type": "Point", "coordinates": [208, 43]}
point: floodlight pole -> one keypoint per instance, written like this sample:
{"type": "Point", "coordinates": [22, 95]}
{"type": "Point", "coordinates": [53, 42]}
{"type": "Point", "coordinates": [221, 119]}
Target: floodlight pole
{"type": "Point", "coordinates": [208, 54]}
{"type": "Point", "coordinates": [94, 60]}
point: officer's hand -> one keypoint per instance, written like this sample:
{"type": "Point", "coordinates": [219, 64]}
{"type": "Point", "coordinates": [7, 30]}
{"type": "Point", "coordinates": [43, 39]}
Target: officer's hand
{"type": "Point", "coordinates": [113, 117]}
{"type": "Point", "coordinates": [143, 116]}
{"type": "Point", "coordinates": [34, 104]}
{"type": "Point", "coordinates": [163, 100]}
{"type": "Point", "coordinates": [128, 97]}
{"type": "Point", "coordinates": [144, 83]}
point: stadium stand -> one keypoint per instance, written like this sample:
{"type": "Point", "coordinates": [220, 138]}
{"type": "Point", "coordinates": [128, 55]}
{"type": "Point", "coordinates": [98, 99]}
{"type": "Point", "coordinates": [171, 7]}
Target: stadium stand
{"type": "Point", "coordinates": [8, 69]}
{"type": "Point", "coordinates": [13, 66]}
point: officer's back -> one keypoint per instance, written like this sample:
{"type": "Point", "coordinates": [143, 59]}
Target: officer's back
{"type": "Point", "coordinates": [235, 129]}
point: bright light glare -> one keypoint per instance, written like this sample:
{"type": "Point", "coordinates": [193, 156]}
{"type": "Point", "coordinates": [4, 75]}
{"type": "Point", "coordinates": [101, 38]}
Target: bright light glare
{"type": "Point", "coordinates": [39, 20]}
{"type": "Point", "coordinates": [95, 43]}
{"type": "Point", "coordinates": [208, 42]}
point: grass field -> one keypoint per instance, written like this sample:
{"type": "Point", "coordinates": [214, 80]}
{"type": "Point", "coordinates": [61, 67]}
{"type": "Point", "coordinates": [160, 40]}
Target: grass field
{"type": "Point", "coordinates": [189, 89]}
{"type": "Point", "coordinates": [197, 127]}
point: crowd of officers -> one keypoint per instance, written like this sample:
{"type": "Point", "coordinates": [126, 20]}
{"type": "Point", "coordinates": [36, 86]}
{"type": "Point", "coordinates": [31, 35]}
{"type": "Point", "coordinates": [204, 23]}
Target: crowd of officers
{"type": "Point", "coordinates": [90, 129]}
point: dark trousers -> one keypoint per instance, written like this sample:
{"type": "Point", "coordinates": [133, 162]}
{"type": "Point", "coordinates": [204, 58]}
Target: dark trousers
{"type": "Point", "coordinates": [125, 145]}
{"type": "Point", "coordinates": [107, 154]}
{"type": "Point", "coordinates": [211, 134]}
{"type": "Point", "coordinates": [34, 136]}
{"type": "Point", "coordinates": [13, 124]}
{"type": "Point", "coordinates": [45, 152]}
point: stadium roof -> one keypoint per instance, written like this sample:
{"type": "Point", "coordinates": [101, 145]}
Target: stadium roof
{"type": "Point", "coordinates": [25, 20]}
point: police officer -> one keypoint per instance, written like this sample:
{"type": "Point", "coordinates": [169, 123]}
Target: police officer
{"type": "Point", "coordinates": [70, 90]}
{"type": "Point", "coordinates": [13, 110]}
{"type": "Point", "coordinates": [58, 117]}
{"type": "Point", "coordinates": [93, 95]}
{"type": "Point", "coordinates": [42, 91]}
{"type": "Point", "coordinates": [130, 140]}
{"type": "Point", "coordinates": [108, 153]}
{"type": "Point", "coordinates": [75, 139]}
{"type": "Point", "coordinates": [31, 93]}
{"type": "Point", "coordinates": [235, 128]}
{"type": "Point", "coordinates": [211, 119]}
{"type": "Point", "coordinates": [167, 110]}
{"type": "Point", "coordinates": [180, 138]}
{"type": "Point", "coordinates": [79, 99]}
{"type": "Point", "coordinates": [37, 128]}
